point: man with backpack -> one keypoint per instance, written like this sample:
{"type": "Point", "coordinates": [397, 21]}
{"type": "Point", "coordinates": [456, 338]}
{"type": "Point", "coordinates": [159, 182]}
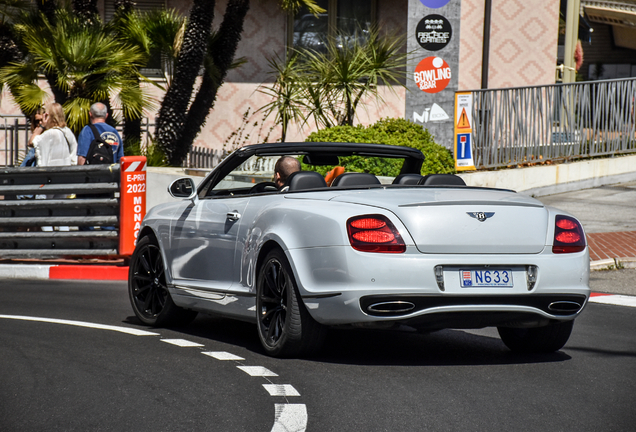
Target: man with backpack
{"type": "Point", "coordinates": [97, 138]}
{"type": "Point", "coordinates": [99, 143]}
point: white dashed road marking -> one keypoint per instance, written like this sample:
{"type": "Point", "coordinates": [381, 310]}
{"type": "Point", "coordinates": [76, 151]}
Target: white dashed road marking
{"type": "Point", "coordinates": [182, 343]}
{"type": "Point", "coordinates": [222, 355]}
{"type": "Point", "coordinates": [257, 371]}
{"type": "Point", "coordinates": [131, 331]}
{"type": "Point", "coordinates": [288, 417]}
{"type": "Point", "coordinates": [281, 390]}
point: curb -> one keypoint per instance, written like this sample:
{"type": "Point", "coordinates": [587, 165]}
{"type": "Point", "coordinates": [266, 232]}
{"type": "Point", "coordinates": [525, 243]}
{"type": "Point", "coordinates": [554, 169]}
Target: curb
{"type": "Point", "coordinates": [78, 272]}
{"type": "Point", "coordinates": [110, 272]}
{"type": "Point", "coordinates": [613, 263]}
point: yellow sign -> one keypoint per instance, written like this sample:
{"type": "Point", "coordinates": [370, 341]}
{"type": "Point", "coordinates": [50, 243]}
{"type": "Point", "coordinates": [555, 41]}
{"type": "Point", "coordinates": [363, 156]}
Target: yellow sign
{"type": "Point", "coordinates": [463, 153]}
{"type": "Point", "coordinates": [463, 122]}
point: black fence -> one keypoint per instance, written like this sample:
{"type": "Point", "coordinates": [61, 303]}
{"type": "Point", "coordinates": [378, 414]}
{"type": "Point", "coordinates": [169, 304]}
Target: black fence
{"type": "Point", "coordinates": [201, 157]}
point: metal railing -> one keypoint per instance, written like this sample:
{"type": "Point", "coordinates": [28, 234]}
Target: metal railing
{"type": "Point", "coordinates": [39, 219]}
{"type": "Point", "coordinates": [14, 136]}
{"type": "Point", "coordinates": [15, 131]}
{"type": "Point", "coordinates": [557, 122]}
{"type": "Point", "coordinates": [201, 157]}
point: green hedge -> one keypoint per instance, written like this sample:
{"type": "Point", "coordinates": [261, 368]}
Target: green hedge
{"type": "Point", "coordinates": [386, 131]}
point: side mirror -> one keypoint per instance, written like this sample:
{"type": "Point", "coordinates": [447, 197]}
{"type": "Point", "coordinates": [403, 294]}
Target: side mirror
{"type": "Point", "coordinates": [183, 188]}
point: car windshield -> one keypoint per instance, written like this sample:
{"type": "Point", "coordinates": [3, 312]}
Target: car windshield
{"type": "Point", "coordinates": [244, 173]}
{"type": "Point", "coordinates": [256, 169]}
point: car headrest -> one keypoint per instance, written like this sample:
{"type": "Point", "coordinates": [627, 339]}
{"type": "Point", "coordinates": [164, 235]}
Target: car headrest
{"type": "Point", "coordinates": [442, 180]}
{"type": "Point", "coordinates": [355, 179]}
{"type": "Point", "coordinates": [303, 180]}
{"type": "Point", "coordinates": [407, 179]}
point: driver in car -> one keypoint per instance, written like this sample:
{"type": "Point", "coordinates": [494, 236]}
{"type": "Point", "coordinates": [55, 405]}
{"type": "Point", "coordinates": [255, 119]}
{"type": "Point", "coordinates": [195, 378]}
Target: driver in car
{"type": "Point", "coordinates": [284, 167]}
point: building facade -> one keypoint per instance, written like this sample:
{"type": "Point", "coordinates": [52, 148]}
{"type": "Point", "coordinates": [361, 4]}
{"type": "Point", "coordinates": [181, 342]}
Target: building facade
{"type": "Point", "coordinates": [523, 50]}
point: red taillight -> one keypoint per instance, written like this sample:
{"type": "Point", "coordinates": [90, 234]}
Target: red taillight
{"type": "Point", "coordinates": [374, 236]}
{"type": "Point", "coordinates": [566, 224]}
{"type": "Point", "coordinates": [568, 235]}
{"type": "Point", "coordinates": [374, 233]}
{"type": "Point", "coordinates": [368, 223]}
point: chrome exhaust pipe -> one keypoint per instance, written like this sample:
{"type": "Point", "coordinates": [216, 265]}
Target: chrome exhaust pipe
{"type": "Point", "coordinates": [564, 306]}
{"type": "Point", "coordinates": [391, 307]}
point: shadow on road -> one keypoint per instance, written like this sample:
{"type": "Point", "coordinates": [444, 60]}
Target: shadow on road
{"type": "Point", "coordinates": [376, 347]}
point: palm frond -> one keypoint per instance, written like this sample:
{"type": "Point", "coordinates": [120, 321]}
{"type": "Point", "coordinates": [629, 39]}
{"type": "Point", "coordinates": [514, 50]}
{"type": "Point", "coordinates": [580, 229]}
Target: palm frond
{"type": "Point", "coordinates": [293, 6]}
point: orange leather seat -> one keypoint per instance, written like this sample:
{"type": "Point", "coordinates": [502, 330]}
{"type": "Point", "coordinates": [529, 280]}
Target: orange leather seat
{"type": "Point", "coordinates": [331, 175]}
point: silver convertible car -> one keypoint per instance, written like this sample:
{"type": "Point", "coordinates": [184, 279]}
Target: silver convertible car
{"type": "Point", "coordinates": [427, 252]}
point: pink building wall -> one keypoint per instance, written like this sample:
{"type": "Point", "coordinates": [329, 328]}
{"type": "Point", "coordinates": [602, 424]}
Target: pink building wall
{"type": "Point", "coordinates": [523, 43]}
{"type": "Point", "coordinates": [523, 52]}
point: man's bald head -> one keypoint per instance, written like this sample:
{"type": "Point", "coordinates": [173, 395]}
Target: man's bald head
{"type": "Point", "coordinates": [284, 167]}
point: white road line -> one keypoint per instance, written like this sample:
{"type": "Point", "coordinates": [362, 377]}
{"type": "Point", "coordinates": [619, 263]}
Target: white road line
{"type": "Point", "coordinates": [290, 418]}
{"type": "Point", "coordinates": [132, 331]}
{"type": "Point", "coordinates": [222, 355]}
{"type": "Point", "coordinates": [616, 300]}
{"type": "Point", "coordinates": [182, 343]}
{"type": "Point", "coordinates": [281, 390]}
{"type": "Point", "coordinates": [24, 272]}
{"type": "Point", "coordinates": [257, 371]}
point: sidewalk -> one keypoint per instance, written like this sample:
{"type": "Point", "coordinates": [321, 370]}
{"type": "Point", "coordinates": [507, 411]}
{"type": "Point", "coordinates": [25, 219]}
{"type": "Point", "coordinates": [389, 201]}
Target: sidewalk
{"type": "Point", "coordinates": [612, 248]}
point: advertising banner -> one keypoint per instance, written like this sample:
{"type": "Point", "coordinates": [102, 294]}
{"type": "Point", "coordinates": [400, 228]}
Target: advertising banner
{"type": "Point", "coordinates": [433, 37]}
{"type": "Point", "coordinates": [132, 206]}
{"type": "Point", "coordinates": [463, 150]}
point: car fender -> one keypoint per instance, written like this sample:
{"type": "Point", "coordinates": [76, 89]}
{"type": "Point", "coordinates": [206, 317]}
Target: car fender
{"type": "Point", "coordinates": [158, 220]}
{"type": "Point", "coordinates": [301, 224]}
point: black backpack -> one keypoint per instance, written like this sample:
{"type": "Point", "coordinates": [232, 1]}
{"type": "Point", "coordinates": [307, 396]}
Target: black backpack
{"type": "Point", "coordinates": [99, 152]}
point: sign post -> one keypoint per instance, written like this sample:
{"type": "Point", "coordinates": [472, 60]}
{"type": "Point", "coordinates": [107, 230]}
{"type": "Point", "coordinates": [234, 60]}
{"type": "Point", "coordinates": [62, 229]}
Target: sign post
{"type": "Point", "coordinates": [463, 153]}
{"type": "Point", "coordinates": [132, 207]}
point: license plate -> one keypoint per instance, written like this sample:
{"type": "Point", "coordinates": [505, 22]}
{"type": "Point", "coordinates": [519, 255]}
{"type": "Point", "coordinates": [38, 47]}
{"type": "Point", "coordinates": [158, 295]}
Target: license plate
{"type": "Point", "coordinates": [486, 278]}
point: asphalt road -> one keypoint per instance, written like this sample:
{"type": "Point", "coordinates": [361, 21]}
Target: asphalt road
{"type": "Point", "coordinates": [64, 377]}
{"type": "Point", "coordinates": [608, 208]}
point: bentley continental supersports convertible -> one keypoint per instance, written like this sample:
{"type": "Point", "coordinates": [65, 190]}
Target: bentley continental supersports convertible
{"type": "Point", "coordinates": [426, 252]}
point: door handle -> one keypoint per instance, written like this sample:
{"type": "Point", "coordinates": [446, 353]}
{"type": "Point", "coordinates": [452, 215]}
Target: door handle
{"type": "Point", "coordinates": [233, 216]}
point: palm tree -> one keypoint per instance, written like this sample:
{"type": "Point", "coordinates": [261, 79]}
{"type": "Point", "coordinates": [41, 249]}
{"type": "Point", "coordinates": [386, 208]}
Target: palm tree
{"type": "Point", "coordinates": [178, 121]}
{"type": "Point", "coordinates": [350, 69]}
{"type": "Point", "coordinates": [287, 92]}
{"type": "Point", "coordinates": [328, 86]}
{"type": "Point", "coordinates": [165, 29]}
{"type": "Point", "coordinates": [89, 64]}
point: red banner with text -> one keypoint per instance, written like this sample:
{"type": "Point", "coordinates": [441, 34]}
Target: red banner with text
{"type": "Point", "coordinates": [132, 207]}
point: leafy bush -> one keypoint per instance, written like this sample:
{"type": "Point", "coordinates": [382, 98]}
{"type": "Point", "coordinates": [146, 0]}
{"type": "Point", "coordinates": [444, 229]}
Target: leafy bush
{"type": "Point", "coordinates": [154, 155]}
{"type": "Point", "coordinates": [437, 159]}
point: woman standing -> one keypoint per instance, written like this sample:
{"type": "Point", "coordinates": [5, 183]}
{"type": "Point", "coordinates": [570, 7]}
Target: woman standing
{"type": "Point", "coordinates": [55, 145]}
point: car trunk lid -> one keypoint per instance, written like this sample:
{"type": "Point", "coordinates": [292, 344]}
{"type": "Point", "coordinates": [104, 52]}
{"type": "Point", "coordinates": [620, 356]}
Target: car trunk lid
{"type": "Point", "coordinates": [463, 220]}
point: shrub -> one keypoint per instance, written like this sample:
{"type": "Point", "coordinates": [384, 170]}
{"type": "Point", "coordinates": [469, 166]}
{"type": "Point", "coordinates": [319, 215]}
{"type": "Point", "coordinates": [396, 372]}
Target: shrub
{"type": "Point", "coordinates": [437, 159]}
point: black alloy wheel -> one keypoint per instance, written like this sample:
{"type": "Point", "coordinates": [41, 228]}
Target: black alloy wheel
{"type": "Point", "coordinates": [285, 328]}
{"type": "Point", "coordinates": [147, 288]}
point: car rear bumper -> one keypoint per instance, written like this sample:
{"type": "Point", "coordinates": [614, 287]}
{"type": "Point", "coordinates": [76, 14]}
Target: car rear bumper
{"type": "Point", "coordinates": [342, 286]}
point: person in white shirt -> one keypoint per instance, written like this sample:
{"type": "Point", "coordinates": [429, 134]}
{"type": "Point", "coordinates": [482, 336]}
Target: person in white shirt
{"type": "Point", "coordinates": [55, 144]}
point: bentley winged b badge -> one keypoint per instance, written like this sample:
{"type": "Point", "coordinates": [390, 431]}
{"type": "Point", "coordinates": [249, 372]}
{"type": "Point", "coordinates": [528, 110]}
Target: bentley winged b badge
{"type": "Point", "coordinates": [481, 216]}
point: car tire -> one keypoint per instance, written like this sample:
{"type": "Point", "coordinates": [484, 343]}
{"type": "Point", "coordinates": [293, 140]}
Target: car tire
{"type": "Point", "coordinates": [285, 327]}
{"type": "Point", "coordinates": [545, 339]}
{"type": "Point", "coordinates": [148, 291]}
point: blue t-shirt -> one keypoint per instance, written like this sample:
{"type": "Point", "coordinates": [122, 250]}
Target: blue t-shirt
{"type": "Point", "coordinates": [108, 134]}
